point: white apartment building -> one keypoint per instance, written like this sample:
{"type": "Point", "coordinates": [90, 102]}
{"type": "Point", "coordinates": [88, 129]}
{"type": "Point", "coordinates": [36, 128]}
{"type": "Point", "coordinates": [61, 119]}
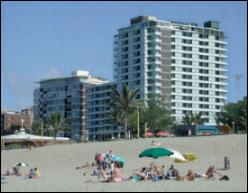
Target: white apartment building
{"type": "Point", "coordinates": [66, 95]}
{"type": "Point", "coordinates": [181, 63]}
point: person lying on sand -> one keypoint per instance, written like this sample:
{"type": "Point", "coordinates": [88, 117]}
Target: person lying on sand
{"type": "Point", "coordinates": [87, 165]}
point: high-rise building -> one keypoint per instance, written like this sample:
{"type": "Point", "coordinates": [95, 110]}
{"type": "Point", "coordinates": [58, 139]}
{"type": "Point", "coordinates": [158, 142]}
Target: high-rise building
{"type": "Point", "coordinates": [66, 95]}
{"type": "Point", "coordinates": [181, 63]}
{"type": "Point", "coordinates": [100, 124]}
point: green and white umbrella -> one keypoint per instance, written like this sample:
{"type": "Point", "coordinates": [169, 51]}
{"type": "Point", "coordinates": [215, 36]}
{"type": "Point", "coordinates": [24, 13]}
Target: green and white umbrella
{"type": "Point", "coordinates": [156, 152]}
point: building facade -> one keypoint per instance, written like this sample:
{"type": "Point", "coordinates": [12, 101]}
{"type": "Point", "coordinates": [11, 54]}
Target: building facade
{"type": "Point", "coordinates": [181, 63]}
{"type": "Point", "coordinates": [99, 121]}
{"type": "Point", "coordinates": [12, 121]}
{"type": "Point", "coordinates": [66, 95]}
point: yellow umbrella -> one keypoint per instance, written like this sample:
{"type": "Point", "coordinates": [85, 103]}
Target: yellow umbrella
{"type": "Point", "coordinates": [188, 157]}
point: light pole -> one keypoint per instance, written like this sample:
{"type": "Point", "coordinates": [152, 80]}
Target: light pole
{"type": "Point", "coordinates": [233, 124]}
{"type": "Point", "coordinates": [138, 123]}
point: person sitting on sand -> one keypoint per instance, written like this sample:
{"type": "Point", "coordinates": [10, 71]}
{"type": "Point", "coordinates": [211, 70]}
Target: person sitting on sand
{"type": "Point", "coordinates": [210, 172]}
{"type": "Point", "coordinates": [16, 171]}
{"type": "Point", "coordinates": [190, 176]}
{"type": "Point", "coordinates": [141, 175]}
{"type": "Point", "coordinates": [116, 176]}
{"type": "Point", "coordinates": [36, 173]}
{"type": "Point", "coordinates": [8, 172]}
{"type": "Point", "coordinates": [31, 174]}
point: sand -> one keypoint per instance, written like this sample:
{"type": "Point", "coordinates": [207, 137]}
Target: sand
{"type": "Point", "coordinates": [57, 164]}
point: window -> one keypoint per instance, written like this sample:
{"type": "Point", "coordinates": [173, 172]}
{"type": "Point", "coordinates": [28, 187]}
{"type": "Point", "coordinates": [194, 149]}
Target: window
{"type": "Point", "coordinates": [187, 105]}
{"type": "Point", "coordinates": [203, 57]}
{"type": "Point", "coordinates": [125, 56]}
{"type": "Point", "coordinates": [124, 35]}
{"type": "Point", "coordinates": [136, 32]}
{"type": "Point", "coordinates": [125, 49]}
{"type": "Point", "coordinates": [187, 48]}
{"type": "Point", "coordinates": [124, 42]}
{"type": "Point", "coordinates": [186, 41]}
{"type": "Point", "coordinates": [203, 36]}
{"type": "Point", "coordinates": [187, 62]}
{"type": "Point", "coordinates": [187, 69]}
{"type": "Point", "coordinates": [186, 55]}
{"type": "Point", "coordinates": [136, 39]}
{"type": "Point", "coordinates": [203, 99]}
{"type": "Point", "coordinates": [135, 54]}
{"type": "Point", "coordinates": [187, 98]}
{"type": "Point", "coordinates": [137, 46]}
{"type": "Point", "coordinates": [204, 78]}
{"type": "Point", "coordinates": [151, 59]}
{"type": "Point", "coordinates": [136, 61]}
{"type": "Point", "coordinates": [187, 83]}
{"type": "Point", "coordinates": [203, 71]}
{"type": "Point", "coordinates": [187, 91]}
{"type": "Point", "coordinates": [184, 76]}
{"type": "Point", "coordinates": [187, 34]}
{"type": "Point", "coordinates": [203, 50]}
{"type": "Point", "coordinates": [204, 85]}
{"type": "Point", "coordinates": [203, 106]}
{"type": "Point", "coordinates": [203, 64]}
{"type": "Point", "coordinates": [203, 43]}
{"type": "Point", "coordinates": [124, 63]}
{"type": "Point", "coordinates": [203, 92]}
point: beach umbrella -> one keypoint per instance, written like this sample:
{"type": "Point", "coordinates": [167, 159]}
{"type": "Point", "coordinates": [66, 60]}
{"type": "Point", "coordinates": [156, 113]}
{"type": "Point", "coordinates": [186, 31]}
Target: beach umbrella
{"type": "Point", "coordinates": [188, 157]}
{"type": "Point", "coordinates": [148, 134]}
{"type": "Point", "coordinates": [118, 159]}
{"type": "Point", "coordinates": [163, 134]}
{"type": "Point", "coordinates": [155, 152]}
{"type": "Point", "coordinates": [177, 155]}
{"type": "Point", "coordinates": [22, 164]}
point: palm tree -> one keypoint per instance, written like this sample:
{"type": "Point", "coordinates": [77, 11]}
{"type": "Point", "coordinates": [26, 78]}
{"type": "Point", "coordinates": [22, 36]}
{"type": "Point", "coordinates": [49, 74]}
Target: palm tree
{"type": "Point", "coordinates": [198, 119]}
{"type": "Point", "coordinates": [125, 100]}
{"type": "Point", "coordinates": [116, 117]}
{"type": "Point", "coordinates": [188, 119]}
{"type": "Point", "coordinates": [57, 124]}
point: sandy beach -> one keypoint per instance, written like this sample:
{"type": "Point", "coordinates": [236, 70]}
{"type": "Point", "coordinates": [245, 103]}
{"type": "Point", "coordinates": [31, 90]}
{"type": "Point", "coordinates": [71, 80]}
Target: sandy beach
{"type": "Point", "coordinates": [57, 165]}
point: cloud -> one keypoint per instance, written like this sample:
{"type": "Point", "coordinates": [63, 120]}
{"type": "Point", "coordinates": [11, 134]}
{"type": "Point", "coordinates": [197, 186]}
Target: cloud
{"type": "Point", "coordinates": [52, 72]}
{"type": "Point", "coordinates": [17, 88]}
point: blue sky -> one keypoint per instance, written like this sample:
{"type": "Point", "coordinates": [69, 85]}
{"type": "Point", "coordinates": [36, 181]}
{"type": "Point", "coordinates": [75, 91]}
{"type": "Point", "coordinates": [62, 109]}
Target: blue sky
{"type": "Point", "coordinates": [50, 39]}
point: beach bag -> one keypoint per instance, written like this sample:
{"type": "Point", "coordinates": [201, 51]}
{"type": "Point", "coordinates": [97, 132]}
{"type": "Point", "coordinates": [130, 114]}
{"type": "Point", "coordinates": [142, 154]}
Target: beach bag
{"type": "Point", "coordinates": [224, 178]}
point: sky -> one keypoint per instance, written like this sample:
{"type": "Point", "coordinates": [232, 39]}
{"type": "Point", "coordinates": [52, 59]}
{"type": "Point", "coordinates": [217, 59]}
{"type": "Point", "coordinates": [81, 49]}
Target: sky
{"type": "Point", "coordinates": [52, 39]}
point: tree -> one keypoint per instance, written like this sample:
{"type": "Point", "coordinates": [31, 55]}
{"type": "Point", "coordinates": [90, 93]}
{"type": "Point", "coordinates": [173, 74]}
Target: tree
{"type": "Point", "coordinates": [157, 116]}
{"type": "Point", "coordinates": [37, 126]}
{"type": "Point", "coordinates": [117, 118]}
{"type": "Point", "coordinates": [57, 124]}
{"type": "Point", "coordinates": [234, 114]}
{"type": "Point", "coordinates": [188, 119]}
{"type": "Point", "coordinates": [194, 119]}
{"type": "Point", "coordinates": [125, 100]}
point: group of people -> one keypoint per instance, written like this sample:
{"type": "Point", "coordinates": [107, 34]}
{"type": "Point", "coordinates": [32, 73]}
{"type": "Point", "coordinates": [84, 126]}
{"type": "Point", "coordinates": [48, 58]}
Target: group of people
{"type": "Point", "coordinates": [155, 173]}
{"type": "Point", "coordinates": [105, 167]}
{"type": "Point", "coordinates": [33, 173]}
{"type": "Point", "coordinates": [12, 171]}
{"type": "Point", "coordinates": [112, 171]}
